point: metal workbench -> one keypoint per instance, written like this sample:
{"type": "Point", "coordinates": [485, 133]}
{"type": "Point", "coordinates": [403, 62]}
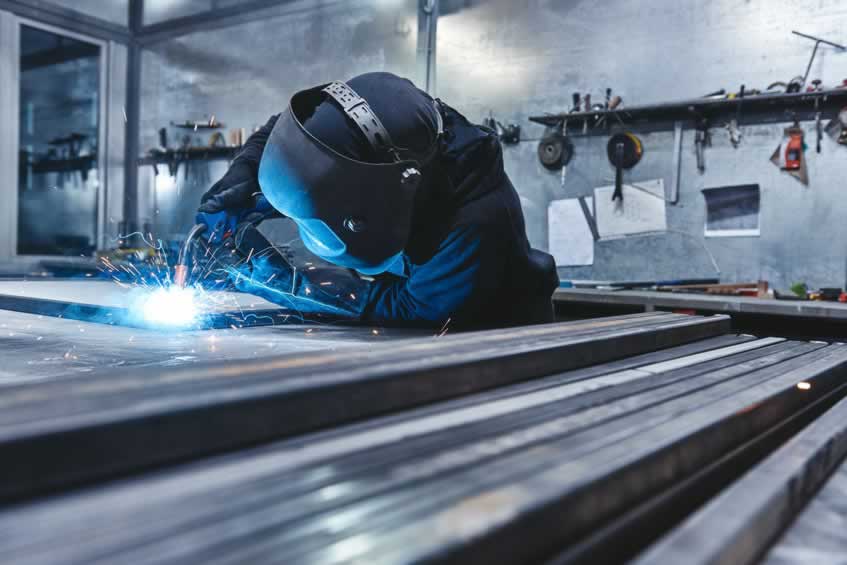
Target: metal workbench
{"type": "Point", "coordinates": [781, 317]}
{"type": "Point", "coordinates": [598, 440]}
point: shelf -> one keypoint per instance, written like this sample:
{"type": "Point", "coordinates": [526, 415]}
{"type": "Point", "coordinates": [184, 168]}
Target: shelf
{"type": "Point", "coordinates": [170, 156]}
{"type": "Point", "coordinates": [761, 108]}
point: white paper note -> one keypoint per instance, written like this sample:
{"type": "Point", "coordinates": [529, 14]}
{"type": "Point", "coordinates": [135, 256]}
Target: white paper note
{"type": "Point", "coordinates": [642, 209]}
{"type": "Point", "coordinates": [569, 238]}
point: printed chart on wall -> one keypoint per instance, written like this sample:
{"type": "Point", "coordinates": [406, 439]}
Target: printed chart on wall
{"type": "Point", "coordinates": [642, 209]}
{"type": "Point", "coordinates": [570, 240]}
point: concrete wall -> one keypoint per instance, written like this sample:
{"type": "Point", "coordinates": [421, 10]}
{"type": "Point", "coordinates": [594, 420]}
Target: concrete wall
{"type": "Point", "coordinates": [525, 57]}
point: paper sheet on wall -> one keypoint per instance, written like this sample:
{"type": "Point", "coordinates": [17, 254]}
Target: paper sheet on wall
{"type": "Point", "coordinates": [569, 238]}
{"type": "Point", "coordinates": [642, 209]}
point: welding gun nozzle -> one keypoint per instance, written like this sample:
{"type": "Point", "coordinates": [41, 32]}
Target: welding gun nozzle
{"type": "Point", "coordinates": [181, 268]}
{"type": "Point", "coordinates": [180, 275]}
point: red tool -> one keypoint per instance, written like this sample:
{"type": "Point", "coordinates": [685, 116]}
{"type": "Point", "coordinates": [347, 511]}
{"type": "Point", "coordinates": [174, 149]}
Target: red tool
{"type": "Point", "coordinates": [794, 152]}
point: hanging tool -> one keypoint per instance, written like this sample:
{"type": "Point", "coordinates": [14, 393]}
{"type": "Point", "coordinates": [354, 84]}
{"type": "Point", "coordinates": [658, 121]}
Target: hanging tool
{"type": "Point", "coordinates": [555, 149]}
{"type": "Point", "coordinates": [818, 124]}
{"type": "Point", "coordinates": [818, 42]}
{"type": "Point", "coordinates": [842, 117]}
{"type": "Point", "coordinates": [509, 134]}
{"type": "Point", "coordinates": [624, 151]}
{"type": "Point", "coordinates": [702, 139]}
{"type": "Point", "coordinates": [732, 125]}
{"type": "Point", "coordinates": [794, 149]}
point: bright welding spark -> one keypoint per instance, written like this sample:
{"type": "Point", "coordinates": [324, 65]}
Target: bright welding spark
{"type": "Point", "coordinates": [171, 306]}
{"type": "Point", "coordinates": [803, 385]}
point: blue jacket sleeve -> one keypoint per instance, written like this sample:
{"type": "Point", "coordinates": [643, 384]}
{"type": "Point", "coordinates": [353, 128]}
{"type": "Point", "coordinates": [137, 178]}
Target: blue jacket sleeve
{"type": "Point", "coordinates": [456, 283]}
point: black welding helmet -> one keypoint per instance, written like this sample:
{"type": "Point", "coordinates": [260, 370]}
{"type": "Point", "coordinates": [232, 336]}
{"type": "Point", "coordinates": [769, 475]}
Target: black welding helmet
{"type": "Point", "coordinates": [351, 212]}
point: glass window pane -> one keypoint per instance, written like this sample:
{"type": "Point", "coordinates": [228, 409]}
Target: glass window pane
{"type": "Point", "coordinates": [59, 114]}
{"type": "Point", "coordinates": [115, 11]}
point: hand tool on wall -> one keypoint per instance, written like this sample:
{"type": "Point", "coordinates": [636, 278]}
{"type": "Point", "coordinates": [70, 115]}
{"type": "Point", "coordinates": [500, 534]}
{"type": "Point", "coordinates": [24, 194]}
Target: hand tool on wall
{"type": "Point", "coordinates": [575, 99]}
{"type": "Point", "coordinates": [732, 125]}
{"type": "Point", "coordinates": [842, 117]}
{"type": "Point", "coordinates": [677, 162]}
{"type": "Point", "coordinates": [702, 139]}
{"type": "Point", "coordinates": [555, 150]}
{"type": "Point", "coordinates": [794, 150]}
{"type": "Point", "coordinates": [624, 151]}
{"type": "Point", "coordinates": [818, 41]}
{"type": "Point", "coordinates": [792, 160]}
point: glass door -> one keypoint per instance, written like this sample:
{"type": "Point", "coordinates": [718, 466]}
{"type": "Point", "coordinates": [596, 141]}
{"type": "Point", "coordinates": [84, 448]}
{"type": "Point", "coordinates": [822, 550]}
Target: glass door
{"type": "Point", "coordinates": [59, 134]}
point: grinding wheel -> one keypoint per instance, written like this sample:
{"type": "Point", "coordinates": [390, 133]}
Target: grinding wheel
{"type": "Point", "coordinates": [624, 151]}
{"type": "Point", "coordinates": [555, 151]}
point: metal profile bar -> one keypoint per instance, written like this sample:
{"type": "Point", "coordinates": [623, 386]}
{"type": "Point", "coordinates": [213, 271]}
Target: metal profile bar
{"type": "Point", "coordinates": [49, 13]}
{"type": "Point", "coordinates": [200, 411]}
{"type": "Point", "coordinates": [235, 14]}
{"type": "Point", "coordinates": [315, 499]}
{"type": "Point", "coordinates": [740, 524]}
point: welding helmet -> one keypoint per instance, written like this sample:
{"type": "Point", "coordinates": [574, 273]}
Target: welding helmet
{"type": "Point", "coordinates": [350, 212]}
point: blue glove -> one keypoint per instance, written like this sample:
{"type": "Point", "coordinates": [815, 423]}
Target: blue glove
{"type": "Point", "coordinates": [223, 224]}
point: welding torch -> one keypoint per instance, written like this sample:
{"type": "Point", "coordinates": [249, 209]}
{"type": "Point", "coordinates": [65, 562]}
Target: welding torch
{"type": "Point", "coordinates": [181, 269]}
{"type": "Point", "coordinates": [226, 226]}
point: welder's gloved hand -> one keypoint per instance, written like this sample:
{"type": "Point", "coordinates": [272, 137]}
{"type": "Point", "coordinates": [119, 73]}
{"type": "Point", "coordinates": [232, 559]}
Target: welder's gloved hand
{"type": "Point", "coordinates": [222, 224]}
{"type": "Point", "coordinates": [265, 272]}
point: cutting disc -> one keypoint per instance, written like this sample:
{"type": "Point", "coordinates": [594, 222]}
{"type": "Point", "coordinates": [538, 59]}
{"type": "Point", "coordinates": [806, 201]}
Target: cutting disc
{"type": "Point", "coordinates": [555, 151]}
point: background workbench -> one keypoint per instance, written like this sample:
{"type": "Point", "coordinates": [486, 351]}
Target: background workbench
{"type": "Point", "coordinates": [804, 318]}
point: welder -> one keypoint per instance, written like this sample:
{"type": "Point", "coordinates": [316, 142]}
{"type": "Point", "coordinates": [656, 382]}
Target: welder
{"type": "Point", "coordinates": [403, 191]}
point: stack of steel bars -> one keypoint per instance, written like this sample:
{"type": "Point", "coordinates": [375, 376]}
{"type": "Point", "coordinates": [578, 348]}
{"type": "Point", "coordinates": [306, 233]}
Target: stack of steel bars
{"type": "Point", "coordinates": [654, 436]}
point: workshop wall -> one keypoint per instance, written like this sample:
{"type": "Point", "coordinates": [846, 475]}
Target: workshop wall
{"type": "Point", "coordinates": [525, 57]}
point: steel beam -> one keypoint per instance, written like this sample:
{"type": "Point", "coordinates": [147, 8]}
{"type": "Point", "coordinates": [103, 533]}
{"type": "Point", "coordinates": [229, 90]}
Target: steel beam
{"type": "Point", "coordinates": [149, 418]}
{"type": "Point", "coordinates": [49, 13]}
{"type": "Point", "coordinates": [132, 117]}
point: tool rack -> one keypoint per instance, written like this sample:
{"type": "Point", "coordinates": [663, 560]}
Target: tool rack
{"type": "Point", "coordinates": [752, 109]}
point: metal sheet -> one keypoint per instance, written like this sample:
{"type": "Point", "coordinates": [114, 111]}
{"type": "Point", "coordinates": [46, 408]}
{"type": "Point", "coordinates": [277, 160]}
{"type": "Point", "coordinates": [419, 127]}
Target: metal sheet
{"type": "Point", "coordinates": [108, 303]}
{"type": "Point", "coordinates": [38, 348]}
{"type": "Point", "coordinates": [150, 417]}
